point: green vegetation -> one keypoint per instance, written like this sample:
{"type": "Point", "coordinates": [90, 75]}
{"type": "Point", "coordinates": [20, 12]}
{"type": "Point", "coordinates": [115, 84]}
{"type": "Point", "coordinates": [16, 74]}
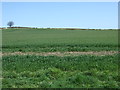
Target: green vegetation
{"type": "Point", "coordinates": [52, 71]}
{"type": "Point", "coordinates": [47, 40]}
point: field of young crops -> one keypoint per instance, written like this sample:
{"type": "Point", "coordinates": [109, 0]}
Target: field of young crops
{"type": "Point", "coordinates": [40, 58]}
{"type": "Point", "coordinates": [39, 40]}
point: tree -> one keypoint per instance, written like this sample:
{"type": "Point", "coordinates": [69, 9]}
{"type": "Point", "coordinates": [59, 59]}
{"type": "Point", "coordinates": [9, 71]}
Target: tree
{"type": "Point", "coordinates": [10, 23]}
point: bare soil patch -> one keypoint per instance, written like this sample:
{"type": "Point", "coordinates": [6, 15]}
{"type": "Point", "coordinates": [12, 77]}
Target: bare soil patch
{"type": "Point", "coordinates": [61, 53]}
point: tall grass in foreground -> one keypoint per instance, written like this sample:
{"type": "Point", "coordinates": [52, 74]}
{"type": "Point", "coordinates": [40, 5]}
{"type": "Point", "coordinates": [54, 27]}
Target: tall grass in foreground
{"type": "Point", "coordinates": [60, 72]}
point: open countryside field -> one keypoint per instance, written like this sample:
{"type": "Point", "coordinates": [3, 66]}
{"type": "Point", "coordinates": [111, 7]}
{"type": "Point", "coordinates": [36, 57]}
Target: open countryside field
{"type": "Point", "coordinates": [47, 40]}
{"type": "Point", "coordinates": [41, 58]}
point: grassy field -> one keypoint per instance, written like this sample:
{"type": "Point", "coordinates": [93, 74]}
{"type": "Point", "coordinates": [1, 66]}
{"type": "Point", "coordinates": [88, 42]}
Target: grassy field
{"type": "Point", "coordinates": [39, 40]}
{"type": "Point", "coordinates": [45, 58]}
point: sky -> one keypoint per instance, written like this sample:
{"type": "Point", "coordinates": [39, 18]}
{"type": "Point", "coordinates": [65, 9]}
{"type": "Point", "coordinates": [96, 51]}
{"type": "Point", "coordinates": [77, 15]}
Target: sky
{"type": "Point", "coordinates": [99, 15]}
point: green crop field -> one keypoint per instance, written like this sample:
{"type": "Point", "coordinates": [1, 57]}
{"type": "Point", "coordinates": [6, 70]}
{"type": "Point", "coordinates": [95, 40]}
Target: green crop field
{"type": "Point", "coordinates": [53, 58]}
{"type": "Point", "coordinates": [39, 40]}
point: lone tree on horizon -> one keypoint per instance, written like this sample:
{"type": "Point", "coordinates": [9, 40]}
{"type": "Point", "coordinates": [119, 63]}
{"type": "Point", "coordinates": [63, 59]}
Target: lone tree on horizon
{"type": "Point", "coordinates": [10, 23]}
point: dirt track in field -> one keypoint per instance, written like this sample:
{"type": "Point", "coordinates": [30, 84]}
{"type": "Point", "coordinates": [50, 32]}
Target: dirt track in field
{"type": "Point", "coordinates": [100, 53]}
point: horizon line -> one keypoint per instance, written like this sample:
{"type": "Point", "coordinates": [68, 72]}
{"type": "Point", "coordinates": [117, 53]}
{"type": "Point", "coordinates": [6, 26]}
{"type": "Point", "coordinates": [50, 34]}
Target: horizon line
{"type": "Point", "coordinates": [56, 27]}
